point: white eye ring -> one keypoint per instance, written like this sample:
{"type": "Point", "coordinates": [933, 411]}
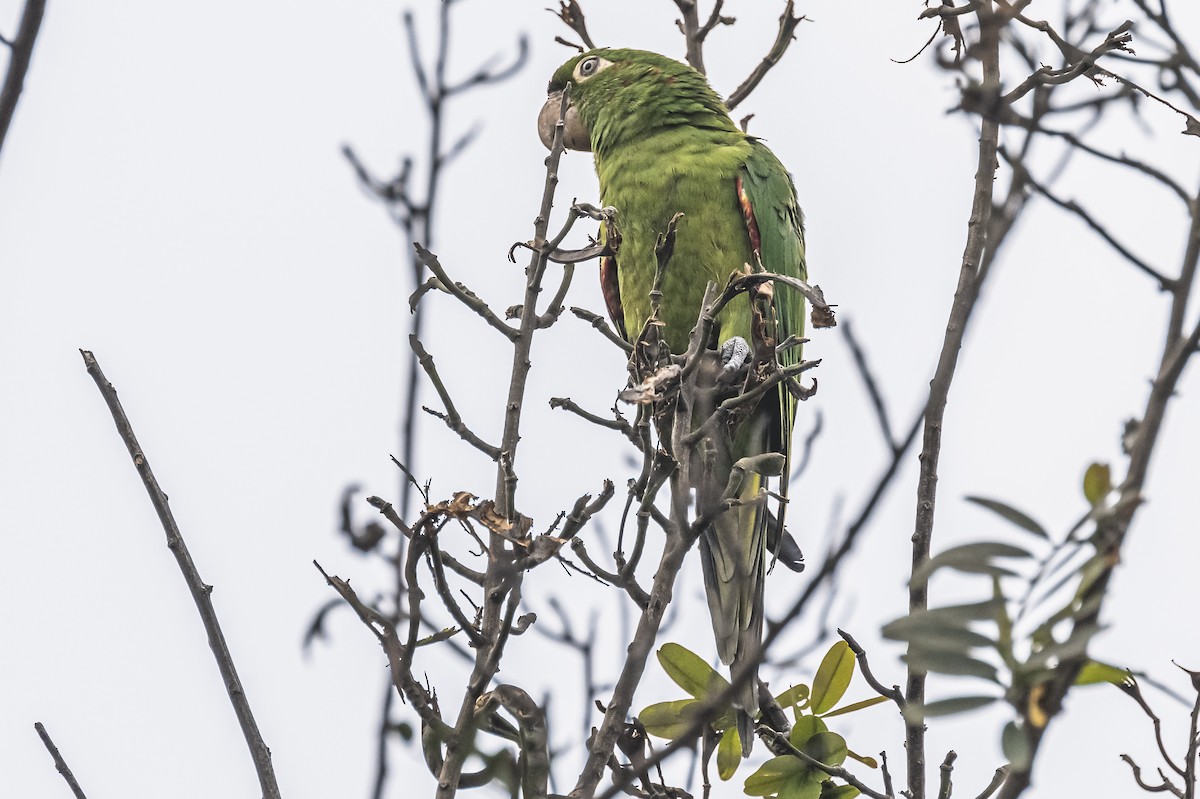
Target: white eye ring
{"type": "Point", "coordinates": [589, 67]}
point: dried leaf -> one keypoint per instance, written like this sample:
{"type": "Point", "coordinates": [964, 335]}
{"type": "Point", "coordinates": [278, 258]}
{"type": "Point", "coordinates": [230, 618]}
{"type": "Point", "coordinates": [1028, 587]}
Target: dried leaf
{"type": "Point", "coordinates": [492, 520]}
{"type": "Point", "coordinates": [458, 507]}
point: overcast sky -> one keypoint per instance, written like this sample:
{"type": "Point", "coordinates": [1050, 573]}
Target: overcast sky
{"type": "Point", "coordinates": [172, 197]}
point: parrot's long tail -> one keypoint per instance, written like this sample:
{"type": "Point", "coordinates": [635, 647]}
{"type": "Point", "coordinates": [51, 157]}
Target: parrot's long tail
{"type": "Point", "coordinates": [732, 552]}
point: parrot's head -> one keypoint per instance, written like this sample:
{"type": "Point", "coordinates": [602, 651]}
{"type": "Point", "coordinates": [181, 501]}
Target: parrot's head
{"type": "Point", "coordinates": [617, 96]}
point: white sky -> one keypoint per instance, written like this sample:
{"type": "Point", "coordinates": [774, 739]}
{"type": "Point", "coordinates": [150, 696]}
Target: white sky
{"type": "Point", "coordinates": [172, 197]}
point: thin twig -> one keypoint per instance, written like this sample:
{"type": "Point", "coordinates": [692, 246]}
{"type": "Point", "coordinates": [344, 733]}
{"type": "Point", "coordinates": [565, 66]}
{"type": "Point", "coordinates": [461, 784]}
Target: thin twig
{"type": "Point", "coordinates": [20, 54]}
{"type": "Point", "coordinates": [872, 386]}
{"type": "Point", "coordinates": [781, 741]}
{"type": "Point", "coordinates": [894, 693]}
{"type": "Point", "coordinates": [1073, 207]}
{"type": "Point", "coordinates": [783, 37]}
{"type": "Point", "coordinates": [201, 592]}
{"type": "Point", "coordinates": [59, 763]}
{"type": "Point", "coordinates": [451, 417]}
{"type": "Point", "coordinates": [965, 296]}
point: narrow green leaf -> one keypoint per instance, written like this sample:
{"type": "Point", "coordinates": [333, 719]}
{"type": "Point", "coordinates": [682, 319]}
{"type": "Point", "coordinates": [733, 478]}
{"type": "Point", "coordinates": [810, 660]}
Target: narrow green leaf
{"type": "Point", "coordinates": [947, 707]}
{"type": "Point", "coordinates": [926, 633]}
{"type": "Point", "coordinates": [774, 775]}
{"type": "Point", "coordinates": [833, 677]}
{"type": "Point", "coordinates": [796, 696]}
{"type": "Point", "coordinates": [1004, 626]}
{"type": "Point", "coordinates": [1091, 571]}
{"type": "Point", "coordinates": [669, 719]}
{"type": "Point", "coordinates": [975, 611]}
{"type": "Point", "coordinates": [971, 558]}
{"type": "Point", "coordinates": [953, 663]}
{"type": "Point", "coordinates": [1015, 745]}
{"type": "Point", "coordinates": [1094, 672]}
{"type": "Point", "coordinates": [828, 747]}
{"type": "Point", "coordinates": [689, 671]}
{"type": "Point", "coordinates": [805, 728]}
{"type": "Point", "coordinates": [1073, 647]}
{"type": "Point", "coordinates": [729, 753]}
{"type": "Point", "coordinates": [844, 709]}
{"type": "Point", "coordinates": [1011, 514]}
{"type": "Point", "coordinates": [1097, 483]}
{"type": "Point", "coordinates": [831, 791]}
{"type": "Point", "coordinates": [869, 762]}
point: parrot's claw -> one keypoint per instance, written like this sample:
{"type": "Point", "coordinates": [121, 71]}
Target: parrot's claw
{"type": "Point", "coordinates": [735, 352]}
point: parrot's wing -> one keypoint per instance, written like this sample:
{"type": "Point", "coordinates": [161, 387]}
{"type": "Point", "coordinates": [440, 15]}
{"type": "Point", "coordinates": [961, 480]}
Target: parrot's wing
{"type": "Point", "coordinates": [610, 288]}
{"type": "Point", "coordinates": [776, 224]}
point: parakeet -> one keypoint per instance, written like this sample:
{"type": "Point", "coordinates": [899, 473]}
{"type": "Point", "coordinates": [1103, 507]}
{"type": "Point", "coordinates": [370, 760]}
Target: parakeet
{"type": "Point", "coordinates": [664, 143]}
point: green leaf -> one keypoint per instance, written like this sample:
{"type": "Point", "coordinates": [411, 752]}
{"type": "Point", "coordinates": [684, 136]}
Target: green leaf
{"type": "Point", "coordinates": [808, 787]}
{"type": "Point", "coordinates": [947, 707]}
{"type": "Point", "coordinates": [972, 558]}
{"type": "Point", "coordinates": [975, 611]}
{"type": "Point", "coordinates": [774, 775]}
{"type": "Point", "coordinates": [805, 728]}
{"type": "Point", "coordinates": [869, 762]}
{"type": "Point", "coordinates": [1097, 483]}
{"type": "Point", "coordinates": [669, 719]}
{"type": "Point", "coordinates": [828, 747]}
{"type": "Point", "coordinates": [1004, 626]}
{"type": "Point", "coordinates": [831, 791]}
{"type": "Point", "coordinates": [796, 696]}
{"type": "Point", "coordinates": [690, 672]}
{"type": "Point", "coordinates": [833, 677]}
{"type": "Point", "coordinates": [952, 663]}
{"type": "Point", "coordinates": [930, 634]}
{"type": "Point", "coordinates": [844, 709]}
{"type": "Point", "coordinates": [1011, 514]}
{"type": "Point", "coordinates": [1016, 746]}
{"type": "Point", "coordinates": [729, 753]}
{"type": "Point", "coordinates": [1091, 571]}
{"type": "Point", "coordinates": [1075, 645]}
{"type": "Point", "coordinates": [1094, 672]}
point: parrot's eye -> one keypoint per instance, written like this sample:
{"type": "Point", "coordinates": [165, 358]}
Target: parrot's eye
{"type": "Point", "coordinates": [589, 67]}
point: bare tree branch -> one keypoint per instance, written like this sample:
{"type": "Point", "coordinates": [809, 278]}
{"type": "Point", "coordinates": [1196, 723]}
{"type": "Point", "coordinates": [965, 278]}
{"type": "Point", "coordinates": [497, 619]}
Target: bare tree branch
{"type": "Point", "coordinates": [787, 32]}
{"type": "Point", "coordinates": [939, 390]}
{"type": "Point", "coordinates": [59, 762]}
{"type": "Point", "coordinates": [201, 592]}
{"type": "Point", "coordinates": [20, 54]}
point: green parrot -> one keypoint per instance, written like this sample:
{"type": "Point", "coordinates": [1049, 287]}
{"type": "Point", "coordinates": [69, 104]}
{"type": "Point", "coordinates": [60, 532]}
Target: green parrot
{"type": "Point", "coordinates": [664, 143]}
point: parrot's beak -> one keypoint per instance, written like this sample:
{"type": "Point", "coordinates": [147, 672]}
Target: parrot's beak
{"type": "Point", "coordinates": [575, 133]}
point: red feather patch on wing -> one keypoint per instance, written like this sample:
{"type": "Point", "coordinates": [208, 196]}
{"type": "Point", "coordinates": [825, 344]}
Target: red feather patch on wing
{"type": "Point", "coordinates": [611, 289]}
{"type": "Point", "coordinates": [751, 223]}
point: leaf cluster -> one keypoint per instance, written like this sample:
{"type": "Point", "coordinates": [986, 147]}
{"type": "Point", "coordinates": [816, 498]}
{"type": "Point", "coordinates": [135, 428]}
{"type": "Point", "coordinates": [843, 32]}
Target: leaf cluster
{"type": "Point", "coordinates": [709, 709]}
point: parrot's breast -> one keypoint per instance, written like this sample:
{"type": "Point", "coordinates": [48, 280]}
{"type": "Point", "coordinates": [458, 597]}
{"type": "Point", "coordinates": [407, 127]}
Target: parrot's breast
{"type": "Point", "coordinates": [648, 183]}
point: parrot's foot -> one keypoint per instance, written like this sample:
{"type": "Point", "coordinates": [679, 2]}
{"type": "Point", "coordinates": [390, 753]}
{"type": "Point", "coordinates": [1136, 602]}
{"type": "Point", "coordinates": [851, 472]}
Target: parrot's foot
{"type": "Point", "coordinates": [735, 352]}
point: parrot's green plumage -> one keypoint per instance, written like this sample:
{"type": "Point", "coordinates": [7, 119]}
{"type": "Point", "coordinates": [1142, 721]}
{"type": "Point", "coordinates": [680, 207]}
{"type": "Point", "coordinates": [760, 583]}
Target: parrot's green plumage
{"type": "Point", "coordinates": [664, 143]}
